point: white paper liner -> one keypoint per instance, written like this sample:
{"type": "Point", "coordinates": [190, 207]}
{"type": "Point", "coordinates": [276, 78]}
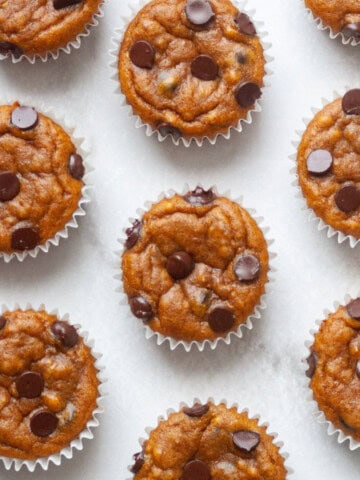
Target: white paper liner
{"type": "Point", "coordinates": [258, 309]}
{"type": "Point", "coordinates": [256, 417]}
{"type": "Point", "coordinates": [149, 130]}
{"type": "Point", "coordinates": [78, 140]}
{"type": "Point", "coordinates": [54, 54]}
{"type": "Point", "coordinates": [78, 443]}
{"type": "Point", "coordinates": [318, 414]}
{"type": "Point", "coordinates": [321, 225]}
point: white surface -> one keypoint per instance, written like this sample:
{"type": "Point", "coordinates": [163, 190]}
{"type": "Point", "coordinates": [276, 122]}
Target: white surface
{"type": "Point", "coordinates": [262, 371]}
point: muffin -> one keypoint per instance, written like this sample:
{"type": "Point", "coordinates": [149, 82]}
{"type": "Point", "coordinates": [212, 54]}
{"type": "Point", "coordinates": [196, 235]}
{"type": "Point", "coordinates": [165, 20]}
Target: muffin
{"type": "Point", "coordinates": [40, 178]}
{"type": "Point", "coordinates": [48, 384]}
{"type": "Point", "coordinates": [209, 442]}
{"type": "Point", "coordinates": [195, 266]}
{"type": "Point", "coordinates": [327, 164]}
{"type": "Point", "coordinates": [191, 68]}
{"type": "Point", "coordinates": [42, 26]}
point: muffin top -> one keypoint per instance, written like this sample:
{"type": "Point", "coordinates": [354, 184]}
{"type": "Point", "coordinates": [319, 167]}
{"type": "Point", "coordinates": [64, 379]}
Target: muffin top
{"type": "Point", "coordinates": [48, 384]}
{"type": "Point", "coordinates": [40, 178]}
{"type": "Point", "coordinates": [209, 442]}
{"type": "Point", "coordinates": [341, 15]}
{"type": "Point", "coordinates": [191, 67]}
{"type": "Point", "coordinates": [334, 368]}
{"type": "Point", "coordinates": [195, 266]}
{"type": "Point", "coordinates": [328, 164]}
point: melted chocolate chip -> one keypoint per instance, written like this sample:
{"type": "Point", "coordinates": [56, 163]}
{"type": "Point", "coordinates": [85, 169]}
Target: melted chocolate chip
{"type": "Point", "coordinates": [240, 58]}
{"type": "Point", "coordinates": [24, 118]}
{"type": "Point", "coordinates": [347, 199]}
{"type": "Point", "coordinates": [43, 423]}
{"type": "Point", "coordinates": [353, 309]}
{"type": "Point", "coordinates": [319, 162]}
{"type": "Point", "coordinates": [7, 48]}
{"type": "Point", "coordinates": [65, 332]}
{"type": "Point", "coordinates": [244, 24]}
{"type": "Point", "coordinates": [221, 319]}
{"type": "Point", "coordinates": [247, 93]}
{"type": "Point", "coordinates": [196, 470]}
{"type": "Point", "coordinates": [196, 410]}
{"type": "Point", "coordinates": [246, 440]}
{"type": "Point", "coordinates": [9, 186]}
{"type": "Point", "coordinates": [76, 166]}
{"type": "Point", "coordinates": [357, 369]}
{"type": "Point", "coordinates": [166, 129]}
{"type": "Point", "coordinates": [139, 460]}
{"type": "Point", "coordinates": [141, 308]}
{"type": "Point", "coordinates": [312, 363]}
{"type": "Point", "coordinates": [247, 268]}
{"type": "Point", "coordinates": [199, 12]}
{"type": "Point", "coordinates": [204, 67]}
{"type": "Point", "coordinates": [352, 30]}
{"type": "Point", "coordinates": [25, 238]}
{"type": "Point", "coordinates": [142, 54]}
{"type": "Point", "coordinates": [351, 102]}
{"type": "Point", "coordinates": [58, 4]}
{"type": "Point", "coordinates": [30, 384]}
{"type": "Point", "coordinates": [179, 265]}
{"type": "Point", "coordinates": [199, 196]}
{"type": "Point", "coordinates": [2, 322]}
{"type": "Point", "coordinates": [133, 234]}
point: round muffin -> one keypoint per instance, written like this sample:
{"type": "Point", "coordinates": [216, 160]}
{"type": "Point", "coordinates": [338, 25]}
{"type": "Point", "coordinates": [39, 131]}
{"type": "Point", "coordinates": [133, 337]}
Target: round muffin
{"type": "Point", "coordinates": [209, 442]}
{"type": "Point", "coordinates": [327, 164]}
{"type": "Point", "coordinates": [191, 68]}
{"type": "Point", "coordinates": [334, 368]}
{"type": "Point", "coordinates": [48, 384]}
{"type": "Point", "coordinates": [40, 178]}
{"type": "Point", "coordinates": [195, 266]}
{"type": "Point", "coordinates": [41, 26]}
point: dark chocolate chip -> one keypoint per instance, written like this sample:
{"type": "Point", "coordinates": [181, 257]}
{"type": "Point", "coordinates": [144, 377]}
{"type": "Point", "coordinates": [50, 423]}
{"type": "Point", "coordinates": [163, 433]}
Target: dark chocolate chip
{"type": "Point", "coordinates": [76, 166]}
{"type": "Point", "coordinates": [65, 332]}
{"type": "Point", "coordinates": [24, 118]}
{"type": "Point", "coordinates": [7, 48]}
{"type": "Point", "coordinates": [139, 460]}
{"type": "Point", "coordinates": [166, 129]}
{"type": "Point", "coordinates": [199, 196]}
{"type": "Point", "coordinates": [9, 186]}
{"type": "Point", "coordinates": [240, 58]}
{"type": "Point", "coordinates": [351, 102]}
{"type": "Point", "coordinates": [247, 93]}
{"type": "Point", "coordinates": [352, 30]}
{"type": "Point", "coordinates": [141, 308]}
{"type": "Point", "coordinates": [246, 440]}
{"type": "Point", "coordinates": [2, 322]}
{"type": "Point", "coordinates": [25, 238]}
{"type": "Point", "coordinates": [221, 319]}
{"type": "Point", "coordinates": [58, 4]}
{"type": "Point", "coordinates": [199, 12]}
{"type": "Point", "coordinates": [247, 268]}
{"type": "Point", "coordinates": [319, 162]}
{"type": "Point", "coordinates": [196, 470]}
{"type": "Point", "coordinates": [43, 423]}
{"type": "Point", "coordinates": [204, 67]}
{"type": "Point", "coordinates": [244, 24]}
{"type": "Point", "coordinates": [197, 410]}
{"type": "Point", "coordinates": [142, 54]}
{"type": "Point", "coordinates": [353, 309]}
{"type": "Point", "coordinates": [357, 368]}
{"type": "Point", "coordinates": [347, 199]}
{"type": "Point", "coordinates": [30, 384]}
{"type": "Point", "coordinates": [133, 234]}
{"type": "Point", "coordinates": [179, 265]}
{"type": "Point", "coordinates": [312, 363]}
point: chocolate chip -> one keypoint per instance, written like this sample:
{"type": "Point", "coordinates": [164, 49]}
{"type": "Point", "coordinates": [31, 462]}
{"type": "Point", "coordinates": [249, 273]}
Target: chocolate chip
{"type": "Point", "coordinates": [166, 129]}
{"type": "Point", "coordinates": [142, 54]}
{"type": "Point", "coordinates": [240, 58]}
{"type": "Point", "coordinates": [139, 460]}
{"type": "Point", "coordinates": [30, 384]}
{"type": "Point", "coordinates": [353, 309]}
{"type": "Point", "coordinates": [244, 24]}
{"type": "Point", "coordinates": [76, 166]}
{"type": "Point", "coordinates": [179, 265]}
{"type": "Point", "coordinates": [352, 30]}
{"type": "Point", "coordinates": [58, 4]}
{"type": "Point", "coordinates": [247, 268]}
{"type": "Point", "coordinates": [204, 67]}
{"type": "Point", "coordinates": [319, 162]}
{"type": "Point", "coordinates": [65, 332]}
{"type": "Point", "coordinates": [199, 196]}
{"type": "Point", "coordinates": [351, 102]}
{"type": "Point", "coordinates": [357, 368]}
{"type": "Point", "coordinates": [9, 186]}
{"type": "Point", "coordinates": [25, 238]}
{"type": "Point", "coordinates": [141, 308]}
{"type": "Point", "coordinates": [246, 440]}
{"type": "Point", "coordinates": [199, 12]}
{"type": "Point", "coordinates": [347, 199]}
{"type": "Point", "coordinates": [221, 319]}
{"type": "Point", "coordinates": [43, 423]}
{"type": "Point", "coordinates": [133, 234]}
{"type": "Point", "coordinates": [2, 322]}
{"type": "Point", "coordinates": [24, 118]}
{"type": "Point", "coordinates": [312, 363]}
{"type": "Point", "coordinates": [196, 410]}
{"type": "Point", "coordinates": [196, 470]}
{"type": "Point", "coordinates": [247, 93]}
{"type": "Point", "coordinates": [7, 48]}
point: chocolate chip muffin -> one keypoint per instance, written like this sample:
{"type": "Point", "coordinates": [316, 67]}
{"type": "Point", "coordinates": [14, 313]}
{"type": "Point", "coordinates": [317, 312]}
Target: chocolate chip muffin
{"type": "Point", "coordinates": [40, 178]}
{"type": "Point", "coordinates": [209, 442]}
{"type": "Point", "coordinates": [41, 26]}
{"type": "Point", "coordinates": [327, 164]}
{"type": "Point", "coordinates": [195, 266]}
{"type": "Point", "coordinates": [191, 68]}
{"type": "Point", "coordinates": [334, 368]}
{"type": "Point", "coordinates": [48, 384]}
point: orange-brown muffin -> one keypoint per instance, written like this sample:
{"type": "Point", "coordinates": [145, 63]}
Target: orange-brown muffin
{"type": "Point", "coordinates": [195, 266]}
{"type": "Point", "coordinates": [334, 368]}
{"type": "Point", "coordinates": [40, 178]}
{"type": "Point", "coordinates": [328, 164]}
{"type": "Point", "coordinates": [209, 442]}
{"type": "Point", "coordinates": [48, 384]}
{"type": "Point", "coordinates": [191, 68]}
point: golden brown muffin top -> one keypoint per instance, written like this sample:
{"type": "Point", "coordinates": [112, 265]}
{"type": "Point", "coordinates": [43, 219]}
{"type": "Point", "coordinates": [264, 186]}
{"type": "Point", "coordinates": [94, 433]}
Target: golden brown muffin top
{"type": "Point", "coordinates": [340, 15]}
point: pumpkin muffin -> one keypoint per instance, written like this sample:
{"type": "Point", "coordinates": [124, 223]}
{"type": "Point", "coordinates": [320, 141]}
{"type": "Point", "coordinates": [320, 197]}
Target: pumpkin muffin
{"type": "Point", "coordinates": [195, 266]}
{"type": "Point", "coordinates": [48, 384]}
{"type": "Point", "coordinates": [40, 178]}
{"type": "Point", "coordinates": [191, 68]}
{"type": "Point", "coordinates": [328, 162]}
{"type": "Point", "coordinates": [209, 442]}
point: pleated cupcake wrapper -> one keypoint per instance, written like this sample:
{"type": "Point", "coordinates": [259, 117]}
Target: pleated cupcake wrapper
{"type": "Point", "coordinates": [321, 225]}
{"type": "Point", "coordinates": [256, 417]}
{"type": "Point", "coordinates": [149, 130]}
{"type": "Point", "coordinates": [78, 141]}
{"type": "Point", "coordinates": [341, 437]}
{"type": "Point", "coordinates": [73, 45]}
{"type": "Point", "coordinates": [78, 443]}
{"type": "Point", "coordinates": [212, 344]}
